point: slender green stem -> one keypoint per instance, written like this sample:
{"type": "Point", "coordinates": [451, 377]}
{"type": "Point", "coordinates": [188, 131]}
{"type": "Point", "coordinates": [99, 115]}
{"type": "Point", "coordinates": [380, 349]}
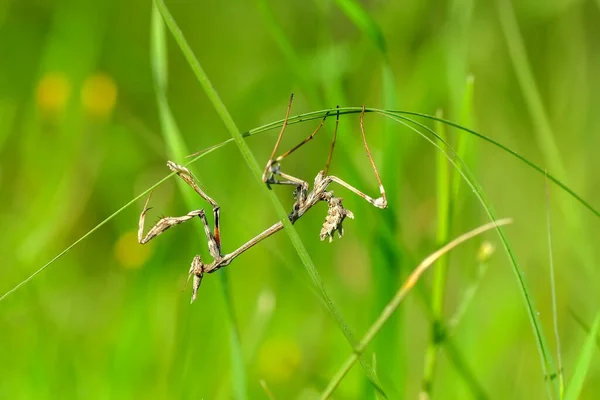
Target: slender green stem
{"type": "Point", "coordinates": [485, 252]}
{"type": "Point", "coordinates": [399, 297]}
{"type": "Point", "coordinates": [543, 131]}
{"type": "Point", "coordinates": [439, 275]}
{"type": "Point", "coordinates": [256, 171]}
{"type": "Point", "coordinates": [545, 355]}
{"type": "Point", "coordinates": [177, 149]}
{"type": "Point", "coordinates": [584, 360]}
{"type": "Point", "coordinates": [85, 236]}
{"type": "Point", "coordinates": [313, 115]}
{"type": "Point", "coordinates": [561, 382]}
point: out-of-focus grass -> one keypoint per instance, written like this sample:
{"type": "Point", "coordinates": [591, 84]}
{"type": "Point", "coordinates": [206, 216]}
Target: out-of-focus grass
{"type": "Point", "coordinates": [459, 165]}
{"type": "Point", "coordinates": [385, 250]}
{"type": "Point", "coordinates": [448, 184]}
{"type": "Point", "coordinates": [392, 306]}
{"type": "Point", "coordinates": [178, 151]}
{"type": "Point", "coordinates": [583, 365]}
{"type": "Point", "coordinates": [542, 126]}
{"type": "Point", "coordinates": [111, 320]}
{"type": "Point", "coordinates": [444, 206]}
{"type": "Point", "coordinates": [559, 365]}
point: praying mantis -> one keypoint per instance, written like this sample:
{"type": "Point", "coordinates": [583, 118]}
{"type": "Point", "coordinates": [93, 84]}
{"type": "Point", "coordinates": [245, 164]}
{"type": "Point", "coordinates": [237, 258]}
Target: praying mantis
{"type": "Point", "coordinates": [304, 199]}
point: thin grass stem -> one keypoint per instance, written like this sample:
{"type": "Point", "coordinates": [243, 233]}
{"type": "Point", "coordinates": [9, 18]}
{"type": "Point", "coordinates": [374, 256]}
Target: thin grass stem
{"type": "Point", "coordinates": [257, 172]}
{"type": "Point", "coordinates": [561, 382]}
{"type": "Point", "coordinates": [575, 386]}
{"type": "Point", "coordinates": [439, 275]}
{"type": "Point", "coordinates": [544, 133]}
{"type": "Point", "coordinates": [177, 149]}
{"type": "Point", "coordinates": [399, 297]}
{"type": "Point", "coordinates": [541, 341]}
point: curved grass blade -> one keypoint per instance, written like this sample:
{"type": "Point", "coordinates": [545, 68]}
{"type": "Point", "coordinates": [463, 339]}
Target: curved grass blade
{"type": "Point", "coordinates": [583, 364]}
{"type": "Point", "coordinates": [256, 171]}
{"type": "Point", "coordinates": [356, 110]}
{"type": "Point", "coordinates": [544, 133]}
{"type": "Point", "coordinates": [311, 116]}
{"type": "Point", "coordinates": [513, 153]}
{"type": "Point", "coordinates": [318, 115]}
{"type": "Point", "coordinates": [462, 168]}
{"type": "Point", "coordinates": [314, 115]}
{"type": "Point", "coordinates": [399, 297]}
{"type": "Point", "coordinates": [177, 149]}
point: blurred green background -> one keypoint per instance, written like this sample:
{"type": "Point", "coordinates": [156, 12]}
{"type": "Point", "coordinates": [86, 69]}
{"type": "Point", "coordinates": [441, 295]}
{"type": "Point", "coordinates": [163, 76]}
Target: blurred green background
{"type": "Point", "coordinates": [80, 136]}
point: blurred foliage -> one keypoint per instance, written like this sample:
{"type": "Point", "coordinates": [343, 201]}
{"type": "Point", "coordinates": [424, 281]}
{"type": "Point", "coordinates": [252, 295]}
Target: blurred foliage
{"type": "Point", "coordinates": [80, 136]}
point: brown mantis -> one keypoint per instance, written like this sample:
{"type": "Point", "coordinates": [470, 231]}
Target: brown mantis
{"type": "Point", "coordinates": [305, 199]}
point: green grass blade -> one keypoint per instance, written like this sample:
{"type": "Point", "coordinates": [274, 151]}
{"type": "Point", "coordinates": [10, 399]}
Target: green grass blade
{"type": "Point", "coordinates": [292, 58]}
{"type": "Point", "coordinates": [399, 296]}
{"type": "Point", "coordinates": [384, 244]}
{"type": "Point", "coordinates": [355, 110]}
{"type": "Point", "coordinates": [144, 194]}
{"type": "Point", "coordinates": [257, 172]}
{"type": "Point", "coordinates": [583, 364]}
{"type": "Point", "coordinates": [363, 20]}
{"type": "Point", "coordinates": [485, 253]}
{"type": "Point", "coordinates": [317, 115]}
{"type": "Point", "coordinates": [385, 247]}
{"type": "Point", "coordinates": [533, 99]}
{"type": "Point", "coordinates": [513, 153]}
{"type": "Point", "coordinates": [439, 274]}
{"type": "Point", "coordinates": [85, 236]}
{"type": "Point", "coordinates": [448, 185]}
{"type": "Point", "coordinates": [541, 341]}
{"type": "Point", "coordinates": [584, 325]}
{"type": "Point", "coordinates": [542, 128]}
{"type": "Point", "coordinates": [464, 143]}
{"type": "Point", "coordinates": [561, 382]}
{"type": "Point", "coordinates": [178, 150]}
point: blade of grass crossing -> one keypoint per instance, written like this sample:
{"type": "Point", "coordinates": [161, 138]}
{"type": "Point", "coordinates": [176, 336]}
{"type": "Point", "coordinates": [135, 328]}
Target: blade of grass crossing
{"type": "Point", "coordinates": [106, 220]}
{"type": "Point", "coordinates": [356, 110]}
{"type": "Point", "coordinates": [256, 171]}
{"type": "Point", "coordinates": [583, 364]}
{"type": "Point", "coordinates": [513, 153]}
{"type": "Point", "coordinates": [317, 115]}
{"type": "Point", "coordinates": [178, 150]}
{"type": "Point", "coordinates": [584, 325]}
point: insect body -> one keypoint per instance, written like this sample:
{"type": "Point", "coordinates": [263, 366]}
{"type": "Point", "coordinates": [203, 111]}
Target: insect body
{"type": "Point", "coordinates": [305, 199]}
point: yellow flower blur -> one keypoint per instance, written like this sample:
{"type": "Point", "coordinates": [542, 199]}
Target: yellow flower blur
{"type": "Point", "coordinates": [99, 95]}
{"type": "Point", "coordinates": [129, 253]}
{"type": "Point", "coordinates": [52, 93]}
